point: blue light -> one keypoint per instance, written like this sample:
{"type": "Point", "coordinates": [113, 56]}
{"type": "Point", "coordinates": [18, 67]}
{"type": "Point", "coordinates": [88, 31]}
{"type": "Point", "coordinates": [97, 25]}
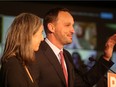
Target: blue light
{"type": "Point", "coordinates": [106, 15]}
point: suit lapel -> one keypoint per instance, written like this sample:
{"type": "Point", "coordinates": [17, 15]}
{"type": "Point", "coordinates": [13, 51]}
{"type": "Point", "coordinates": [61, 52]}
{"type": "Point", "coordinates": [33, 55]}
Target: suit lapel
{"type": "Point", "coordinates": [53, 60]}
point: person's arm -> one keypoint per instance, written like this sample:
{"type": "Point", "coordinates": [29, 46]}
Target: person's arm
{"type": "Point", "coordinates": [100, 68]}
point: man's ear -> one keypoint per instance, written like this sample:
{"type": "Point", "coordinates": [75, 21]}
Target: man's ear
{"type": "Point", "coordinates": [51, 27]}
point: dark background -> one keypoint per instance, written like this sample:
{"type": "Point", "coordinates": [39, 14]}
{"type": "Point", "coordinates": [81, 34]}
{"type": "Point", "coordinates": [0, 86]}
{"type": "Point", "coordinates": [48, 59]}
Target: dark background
{"type": "Point", "coordinates": [40, 7]}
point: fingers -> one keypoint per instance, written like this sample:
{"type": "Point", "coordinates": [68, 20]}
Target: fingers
{"type": "Point", "coordinates": [111, 41]}
{"type": "Point", "coordinates": [109, 47]}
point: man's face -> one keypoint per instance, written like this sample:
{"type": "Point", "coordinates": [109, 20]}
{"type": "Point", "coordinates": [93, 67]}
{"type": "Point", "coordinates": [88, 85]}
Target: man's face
{"type": "Point", "coordinates": [64, 28]}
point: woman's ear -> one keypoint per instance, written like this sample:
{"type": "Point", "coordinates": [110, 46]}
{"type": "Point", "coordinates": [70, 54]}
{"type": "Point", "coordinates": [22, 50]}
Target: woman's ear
{"type": "Point", "coordinates": [51, 27]}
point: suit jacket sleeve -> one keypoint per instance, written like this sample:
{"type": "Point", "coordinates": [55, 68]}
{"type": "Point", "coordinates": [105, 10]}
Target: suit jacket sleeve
{"type": "Point", "coordinates": [94, 74]}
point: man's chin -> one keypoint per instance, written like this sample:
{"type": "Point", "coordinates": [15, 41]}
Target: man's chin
{"type": "Point", "coordinates": [69, 42]}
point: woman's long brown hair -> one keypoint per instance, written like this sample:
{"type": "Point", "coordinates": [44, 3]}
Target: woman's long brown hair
{"type": "Point", "coordinates": [19, 37]}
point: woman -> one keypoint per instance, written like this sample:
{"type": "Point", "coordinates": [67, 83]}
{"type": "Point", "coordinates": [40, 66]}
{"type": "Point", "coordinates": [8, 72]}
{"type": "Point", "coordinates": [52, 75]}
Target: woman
{"type": "Point", "coordinates": [24, 37]}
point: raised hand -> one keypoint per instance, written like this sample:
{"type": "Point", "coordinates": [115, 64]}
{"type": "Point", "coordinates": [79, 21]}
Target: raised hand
{"type": "Point", "coordinates": [109, 46]}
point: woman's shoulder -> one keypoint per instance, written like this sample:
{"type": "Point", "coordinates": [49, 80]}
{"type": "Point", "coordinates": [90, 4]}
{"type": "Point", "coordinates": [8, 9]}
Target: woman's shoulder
{"type": "Point", "coordinates": [12, 62]}
{"type": "Point", "coordinates": [12, 59]}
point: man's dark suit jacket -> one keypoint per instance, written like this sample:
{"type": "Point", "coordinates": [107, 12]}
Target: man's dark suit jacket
{"type": "Point", "coordinates": [48, 71]}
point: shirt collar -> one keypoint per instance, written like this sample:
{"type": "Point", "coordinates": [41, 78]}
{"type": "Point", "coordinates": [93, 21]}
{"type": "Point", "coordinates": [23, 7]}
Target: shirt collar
{"type": "Point", "coordinates": [53, 47]}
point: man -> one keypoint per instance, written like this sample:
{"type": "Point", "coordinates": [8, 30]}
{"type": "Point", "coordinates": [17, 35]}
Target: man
{"type": "Point", "coordinates": [58, 24]}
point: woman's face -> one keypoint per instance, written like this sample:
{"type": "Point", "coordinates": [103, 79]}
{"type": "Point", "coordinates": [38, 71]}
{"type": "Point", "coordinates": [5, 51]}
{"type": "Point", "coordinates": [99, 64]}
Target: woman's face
{"type": "Point", "coordinates": [37, 38]}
